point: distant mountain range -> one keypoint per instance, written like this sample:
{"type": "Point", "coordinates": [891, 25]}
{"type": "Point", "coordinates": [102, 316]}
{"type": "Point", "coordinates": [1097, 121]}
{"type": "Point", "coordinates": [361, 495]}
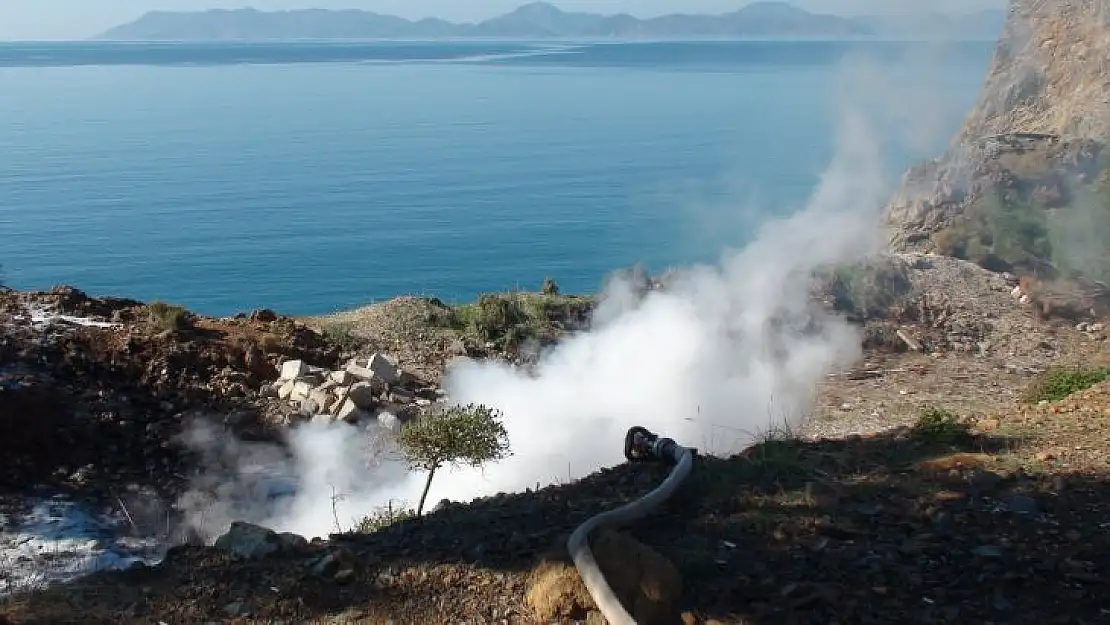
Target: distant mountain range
{"type": "Point", "coordinates": [541, 20]}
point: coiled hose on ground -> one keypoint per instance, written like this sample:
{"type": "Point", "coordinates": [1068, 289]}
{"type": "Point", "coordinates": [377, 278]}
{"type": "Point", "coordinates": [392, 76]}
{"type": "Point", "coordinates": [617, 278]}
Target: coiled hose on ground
{"type": "Point", "coordinates": [640, 445]}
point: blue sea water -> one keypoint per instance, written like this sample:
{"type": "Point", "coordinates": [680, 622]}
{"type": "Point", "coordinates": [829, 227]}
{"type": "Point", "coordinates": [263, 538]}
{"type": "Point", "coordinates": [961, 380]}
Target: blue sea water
{"type": "Point", "coordinates": [310, 177]}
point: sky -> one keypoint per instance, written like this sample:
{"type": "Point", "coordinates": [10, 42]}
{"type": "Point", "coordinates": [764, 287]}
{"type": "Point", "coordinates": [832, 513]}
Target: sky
{"type": "Point", "coordinates": [80, 19]}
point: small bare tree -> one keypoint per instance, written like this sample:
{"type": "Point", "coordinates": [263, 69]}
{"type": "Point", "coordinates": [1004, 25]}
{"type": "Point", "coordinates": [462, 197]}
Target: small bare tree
{"type": "Point", "coordinates": [471, 435]}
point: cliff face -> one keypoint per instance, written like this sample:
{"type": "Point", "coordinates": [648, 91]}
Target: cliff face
{"type": "Point", "coordinates": [1050, 73]}
{"type": "Point", "coordinates": [1042, 115]}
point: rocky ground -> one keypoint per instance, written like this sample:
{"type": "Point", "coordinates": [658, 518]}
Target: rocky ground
{"type": "Point", "coordinates": [930, 486]}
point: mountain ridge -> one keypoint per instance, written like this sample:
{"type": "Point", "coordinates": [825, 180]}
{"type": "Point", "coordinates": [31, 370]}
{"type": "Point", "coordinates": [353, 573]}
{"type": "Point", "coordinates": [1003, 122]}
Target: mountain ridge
{"type": "Point", "coordinates": [536, 20]}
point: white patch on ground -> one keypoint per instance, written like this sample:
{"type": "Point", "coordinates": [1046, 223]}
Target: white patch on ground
{"type": "Point", "coordinates": [57, 541]}
{"type": "Point", "coordinates": [43, 317]}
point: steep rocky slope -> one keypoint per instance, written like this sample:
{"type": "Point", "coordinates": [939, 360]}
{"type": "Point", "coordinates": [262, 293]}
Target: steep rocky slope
{"type": "Point", "coordinates": [1049, 73]}
{"type": "Point", "coordinates": [1034, 138]}
{"type": "Point", "coordinates": [992, 512]}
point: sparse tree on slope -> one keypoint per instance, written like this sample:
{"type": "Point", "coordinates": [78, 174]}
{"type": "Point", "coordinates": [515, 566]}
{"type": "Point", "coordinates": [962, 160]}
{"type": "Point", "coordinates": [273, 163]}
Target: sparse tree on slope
{"type": "Point", "coordinates": [460, 436]}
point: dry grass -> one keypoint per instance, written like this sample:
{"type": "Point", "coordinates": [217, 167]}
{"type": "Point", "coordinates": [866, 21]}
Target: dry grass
{"type": "Point", "coordinates": [556, 591]}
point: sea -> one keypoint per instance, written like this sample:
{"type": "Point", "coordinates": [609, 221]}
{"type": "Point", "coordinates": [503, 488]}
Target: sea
{"type": "Point", "coordinates": [310, 177]}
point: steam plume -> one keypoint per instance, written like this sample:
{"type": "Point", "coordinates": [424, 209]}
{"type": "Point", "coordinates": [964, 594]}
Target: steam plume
{"type": "Point", "coordinates": [724, 352]}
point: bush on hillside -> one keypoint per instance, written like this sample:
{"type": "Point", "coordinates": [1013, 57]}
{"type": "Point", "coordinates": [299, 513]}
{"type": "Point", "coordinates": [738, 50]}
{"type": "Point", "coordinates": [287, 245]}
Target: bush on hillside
{"type": "Point", "coordinates": [167, 317]}
{"type": "Point", "coordinates": [1005, 231]}
{"type": "Point", "coordinates": [497, 317]}
{"type": "Point", "coordinates": [1060, 382]}
{"type": "Point", "coordinates": [1000, 233]}
{"type": "Point", "coordinates": [941, 427]}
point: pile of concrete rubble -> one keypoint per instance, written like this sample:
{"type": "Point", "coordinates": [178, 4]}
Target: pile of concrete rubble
{"type": "Point", "coordinates": [364, 389]}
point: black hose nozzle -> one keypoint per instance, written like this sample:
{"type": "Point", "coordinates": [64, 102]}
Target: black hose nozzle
{"type": "Point", "coordinates": [640, 445]}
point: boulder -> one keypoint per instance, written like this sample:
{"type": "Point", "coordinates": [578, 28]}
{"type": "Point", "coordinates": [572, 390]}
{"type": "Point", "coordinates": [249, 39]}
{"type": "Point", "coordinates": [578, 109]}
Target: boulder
{"type": "Point", "coordinates": [247, 540]}
{"type": "Point", "coordinates": [309, 407]}
{"type": "Point", "coordinates": [301, 390]}
{"type": "Point", "coordinates": [402, 396]}
{"type": "Point", "coordinates": [293, 369]}
{"type": "Point", "coordinates": [375, 366]}
{"type": "Point", "coordinates": [264, 315]}
{"type": "Point", "coordinates": [292, 542]}
{"type": "Point", "coordinates": [341, 378]}
{"type": "Point", "coordinates": [285, 392]}
{"type": "Point", "coordinates": [337, 565]}
{"type": "Point", "coordinates": [350, 412]}
{"type": "Point", "coordinates": [320, 396]}
{"type": "Point", "coordinates": [362, 394]}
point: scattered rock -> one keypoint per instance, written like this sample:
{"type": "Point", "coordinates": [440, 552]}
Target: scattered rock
{"type": "Point", "coordinates": [361, 394]}
{"type": "Point", "coordinates": [375, 366]}
{"type": "Point", "coordinates": [264, 315]}
{"type": "Point", "coordinates": [353, 392]}
{"type": "Point", "coordinates": [292, 542]}
{"type": "Point", "coordinates": [293, 369]}
{"type": "Point", "coordinates": [341, 377]}
{"type": "Point", "coordinates": [251, 541]}
{"type": "Point", "coordinates": [350, 412]}
{"type": "Point", "coordinates": [338, 565]}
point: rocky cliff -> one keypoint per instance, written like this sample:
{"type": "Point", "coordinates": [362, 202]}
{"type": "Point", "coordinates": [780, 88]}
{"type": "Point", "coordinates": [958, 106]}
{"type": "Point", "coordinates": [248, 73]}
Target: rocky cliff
{"type": "Point", "coordinates": [1050, 73]}
{"type": "Point", "coordinates": [1034, 134]}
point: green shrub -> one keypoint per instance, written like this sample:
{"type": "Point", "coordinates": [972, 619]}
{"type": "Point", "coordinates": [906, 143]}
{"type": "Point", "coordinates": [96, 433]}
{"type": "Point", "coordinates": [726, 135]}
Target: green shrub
{"type": "Point", "coordinates": [1060, 382]}
{"type": "Point", "coordinates": [510, 319]}
{"type": "Point", "coordinates": [1000, 232]}
{"type": "Point", "coordinates": [939, 426]}
{"type": "Point", "coordinates": [167, 317]}
{"type": "Point", "coordinates": [1080, 235]}
{"type": "Point", "coordinates": [496, 315]}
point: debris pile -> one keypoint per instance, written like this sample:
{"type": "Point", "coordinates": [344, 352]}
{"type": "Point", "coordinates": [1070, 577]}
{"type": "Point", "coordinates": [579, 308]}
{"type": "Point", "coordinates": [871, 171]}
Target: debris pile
{"type": "Point", "coordinates": [365, 388]}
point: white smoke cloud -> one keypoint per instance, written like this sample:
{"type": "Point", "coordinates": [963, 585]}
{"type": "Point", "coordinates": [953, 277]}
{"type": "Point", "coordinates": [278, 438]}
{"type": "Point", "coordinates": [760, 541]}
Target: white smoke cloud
{"type": "Point", "coordinates": [725, 352]}
{"type": "Point", "coordinates": [702, 362]}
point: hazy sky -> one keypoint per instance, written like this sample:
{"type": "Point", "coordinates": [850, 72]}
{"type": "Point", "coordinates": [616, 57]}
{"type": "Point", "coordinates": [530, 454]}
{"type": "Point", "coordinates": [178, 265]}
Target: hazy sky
{"type": "Point", "coordinates": [79, 19]}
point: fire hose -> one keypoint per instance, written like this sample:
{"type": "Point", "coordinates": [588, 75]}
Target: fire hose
{"type": "Point", "coordinates": [640, 445]}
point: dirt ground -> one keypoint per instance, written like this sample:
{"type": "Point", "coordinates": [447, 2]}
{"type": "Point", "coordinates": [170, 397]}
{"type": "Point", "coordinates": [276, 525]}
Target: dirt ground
{"type": "Point", "coordinates": [1006, 525]}
{"type": "Point", "coordinates": [995, 513]}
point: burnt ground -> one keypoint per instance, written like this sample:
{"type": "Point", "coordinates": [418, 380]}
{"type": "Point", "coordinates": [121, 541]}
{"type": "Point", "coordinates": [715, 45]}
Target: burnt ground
{"type": "Point", "coordinates": [87, 410]}
{"type": "Point", "coordinates": [1004, 522]}
{"type": "Point", "coordinates": [895, 527]}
